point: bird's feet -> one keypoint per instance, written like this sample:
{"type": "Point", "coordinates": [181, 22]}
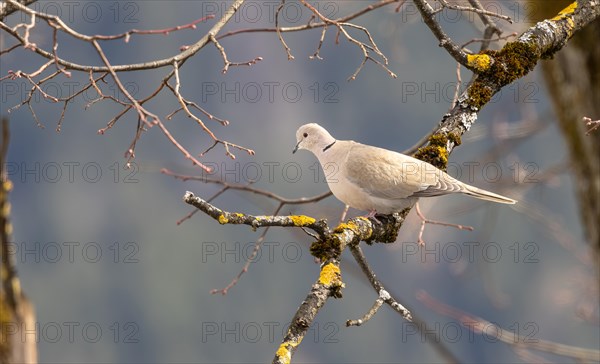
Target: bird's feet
{"type": "Point", "coordinates": [373, 214]}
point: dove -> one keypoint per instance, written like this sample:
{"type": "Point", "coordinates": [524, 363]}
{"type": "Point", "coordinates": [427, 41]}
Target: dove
{"type": "Point", "coordinates": [378, 180]}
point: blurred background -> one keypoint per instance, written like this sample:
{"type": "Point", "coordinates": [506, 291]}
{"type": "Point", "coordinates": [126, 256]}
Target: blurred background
{"type": "Point", "coordinates": [114, 279]}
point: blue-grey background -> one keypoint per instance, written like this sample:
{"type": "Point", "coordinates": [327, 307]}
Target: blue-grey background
{"type": "Point", "coordinates": [114, 279]}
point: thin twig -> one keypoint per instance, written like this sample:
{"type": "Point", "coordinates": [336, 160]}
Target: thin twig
{"type": "Point", "coordinates": [593, 124]}
{"type": "Point", "coordinates": [478, 10]}
{"type": "Point", "coordinates": [360, 258]}
{"type": "Point", "coordinates": [274, 196]}
{"type": "Point", "coordinates": [249, 260]}
{"type": "Point", "coordinates": [278, 30]}
{"type": "Point", "coordinates": [479, 325]}
{"type": "Point", "coordinates": [226, 61]}
{"type": "Point", "coordinates": [424, 221]}
{"type": "Point", "coordinates": [383, 295]}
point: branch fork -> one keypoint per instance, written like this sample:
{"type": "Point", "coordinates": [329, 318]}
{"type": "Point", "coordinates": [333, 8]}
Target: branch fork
{"type": "Point", "coordinates": [327, 249]}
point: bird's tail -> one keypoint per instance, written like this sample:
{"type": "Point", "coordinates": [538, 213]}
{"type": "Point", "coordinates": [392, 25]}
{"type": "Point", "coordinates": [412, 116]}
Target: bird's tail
{"type": "Point", "coordinates": [487, 195]}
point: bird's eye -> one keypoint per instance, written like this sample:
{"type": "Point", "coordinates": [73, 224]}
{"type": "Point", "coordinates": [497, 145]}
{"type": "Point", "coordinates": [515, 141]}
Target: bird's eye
{"type": "Point", "coordinates": [305, 135]}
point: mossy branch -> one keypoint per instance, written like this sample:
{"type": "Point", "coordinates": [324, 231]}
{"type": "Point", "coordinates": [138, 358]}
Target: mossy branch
{"type": "Point", "coordinates": [329, 284]}
{"type": "Point", "coordinates": [496, 69]}
{"type": "Point", "coordinates": [329, 244]}
{"type": "Point", "coordinates": [328, 249]}
{"type": "Point", "coordinates": [224, 217]}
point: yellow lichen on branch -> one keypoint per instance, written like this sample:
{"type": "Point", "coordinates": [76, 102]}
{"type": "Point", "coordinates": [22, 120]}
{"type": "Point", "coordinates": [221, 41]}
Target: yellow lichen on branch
{"type": "Point", "coordinates": [330, 275]}
{"type": "Point", "coordinates": [480, 62]}
{"type": "Point", "coordinates": [302, 220]}
{"type": "Point", "coordinates": [237, 218]}
{"type": "Point", "coordinates": [565, 14]}
{"type": "Point", "coordinates": [566, 11]}
{"type": "Point", "coordinates": [284, 353]}
{"type": "Point", "coordinates": [223, 220]}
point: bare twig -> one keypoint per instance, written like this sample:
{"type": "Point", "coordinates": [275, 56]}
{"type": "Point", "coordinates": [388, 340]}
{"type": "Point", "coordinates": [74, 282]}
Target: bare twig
{"type": "Point", "coordinates": [312, 25]}
{"type": "Point", "coordinates": [271, 195]}
{"type": "Point", "coordinates": [249, 260]}
{"type": "Point", "coordinates": [593, 124]}
{"type": "Point", "coordinates": [226, 61]}
{"type": "Point", "coordinates": [491, 27]}
{"type": "Point", "coordinates": [365, 47]}
{"type": "Point", "coordinates": [428, 15]}
{"type": "Point", "coordinates": [360, 258]}
{"type": "Point", "coordinates": [383, 295]}
{"type": "Point", "coordinates": [316, 55]}
{"type": "Point", "coordinates": [55, 21]}
{"type": "Point", "coordinates": [476, 9]}
{"type": "Point", "coordinates": [479, 325]}
{"type": "Point", "coordinates": [424, 221]}
{"type": "Point", "coordinates": [248, 188]}
{"type": "Point", "coordinates": [278, 30]}
{"type": "Point", "coordinates": [127, 35]}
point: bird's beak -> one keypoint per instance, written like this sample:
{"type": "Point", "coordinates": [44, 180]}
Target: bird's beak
{"type": "Point", "coordinates": [297, 146]}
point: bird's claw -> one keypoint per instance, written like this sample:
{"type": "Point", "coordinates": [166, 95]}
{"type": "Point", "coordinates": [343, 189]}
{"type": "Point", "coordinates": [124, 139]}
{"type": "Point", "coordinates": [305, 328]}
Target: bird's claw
{"type": "Point", "coordinates": [373, 214]}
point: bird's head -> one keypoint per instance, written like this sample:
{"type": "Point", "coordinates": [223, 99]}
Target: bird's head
{"type": "Point", "coordinates": [313, 137]}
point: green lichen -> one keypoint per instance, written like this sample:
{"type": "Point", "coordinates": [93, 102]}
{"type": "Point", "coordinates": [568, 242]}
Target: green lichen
{"type": "Point", "coordinates": [513, 61]}
{"type": "Point", "coordinates": [327, 249]}
{"type": "Point", "coordinates": [454, 138]}
{"type": "Point", "coordinates": [435, 152]}
{"type": "Point", "coordinates": [435, 155]}
{"type": "Point", "coordinates": [479, 94]}
{"type": "Point", "coordinates": [438, 139]}
{"type": "Point", "coordinates": [520, 58]}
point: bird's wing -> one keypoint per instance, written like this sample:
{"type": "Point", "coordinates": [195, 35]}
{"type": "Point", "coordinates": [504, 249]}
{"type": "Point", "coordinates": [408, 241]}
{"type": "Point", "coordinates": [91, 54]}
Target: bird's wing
{"type": "Point", "coordinates": [443, 186]}
{"type": "Point", "coordinates": [386, 174]}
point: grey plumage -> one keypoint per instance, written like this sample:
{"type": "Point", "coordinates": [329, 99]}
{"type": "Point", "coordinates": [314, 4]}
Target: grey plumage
{"type": "Point", "coordinates": [375, 179]}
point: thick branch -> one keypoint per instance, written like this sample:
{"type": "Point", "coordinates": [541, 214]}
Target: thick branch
{"type": "Point", "coordinates": [461, 117]}
{"type": "Point", "coordinates": [328, 285]}
{"type": "Point", "coordinates": [497, 69]}
{"type": "Point", "coordinates": [328, 249]}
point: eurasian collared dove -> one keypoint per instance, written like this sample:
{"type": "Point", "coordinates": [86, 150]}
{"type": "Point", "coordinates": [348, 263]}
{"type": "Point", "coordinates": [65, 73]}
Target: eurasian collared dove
{"type": "Point", "coordinates": [379, 180]}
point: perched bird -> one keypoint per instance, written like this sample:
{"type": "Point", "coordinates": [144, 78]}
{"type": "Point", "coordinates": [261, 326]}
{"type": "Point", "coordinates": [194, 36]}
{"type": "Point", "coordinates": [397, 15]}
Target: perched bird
{"type": "Point", "coordinates": [379, 180]}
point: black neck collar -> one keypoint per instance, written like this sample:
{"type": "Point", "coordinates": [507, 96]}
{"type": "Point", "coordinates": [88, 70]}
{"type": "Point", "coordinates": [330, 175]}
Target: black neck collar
{"type": "Point", "coordinates": [329, 146]}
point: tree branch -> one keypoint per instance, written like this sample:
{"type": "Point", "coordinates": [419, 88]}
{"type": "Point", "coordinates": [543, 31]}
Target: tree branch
{"type": "Point", "coordinates": [384, 296]}
{"type": "Point", "coordinates": [329, 284]}
{"type": "Point", "coordinates": [224, 217]}
{"type": "Point", "coordinates": [187, 53]}
{"type": "Point", "coordinates": [328, 249]}
{"type": "Point", "coordinates": [479, 325]}
{"type": "Point", "coordinates": [7, 8]}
